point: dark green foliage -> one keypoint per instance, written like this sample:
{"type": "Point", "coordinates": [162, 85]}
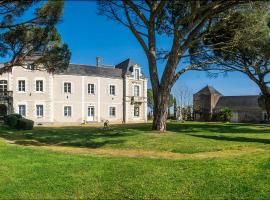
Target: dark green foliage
{"type": "Point", "coordinates": [24, 34]}
{"type": "Point", "coordinates": [17, 121]}
{"type": "Point", "coordinates": [224, 115]}
{"type": "Point", "coordinates": [12, 119]}
{"type": "Point", "coordinates": [24, 124]}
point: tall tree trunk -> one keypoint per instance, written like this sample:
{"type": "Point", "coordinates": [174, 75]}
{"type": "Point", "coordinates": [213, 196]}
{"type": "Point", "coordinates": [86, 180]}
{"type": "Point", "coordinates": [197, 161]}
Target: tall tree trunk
{"type": "Point", "coordinates": [266, 96]}
{"type": "Point", "coordinates": [161, 102]}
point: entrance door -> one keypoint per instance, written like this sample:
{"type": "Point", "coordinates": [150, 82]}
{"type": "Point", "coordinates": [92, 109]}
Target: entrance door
{"type": "Point", "coordinates": [90, 113]}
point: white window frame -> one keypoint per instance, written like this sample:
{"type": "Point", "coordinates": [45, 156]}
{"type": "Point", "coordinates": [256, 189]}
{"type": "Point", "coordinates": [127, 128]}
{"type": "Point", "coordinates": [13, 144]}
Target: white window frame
{"type": "Point", "coordinates": [39, 114]}
{"type": "Point", "coordinates": [38, 86]}
{"type": "Point", "coordinates": [137, 75]}
{"type": "Point", "coordinates": [68, 114]}
{"type": "Point", "coordinates": [136, 86]}
{"type": "Point", "coordinates": [90, 111]}
{"type": "Point", "coordinates": [4, 84]}
{"type": "Point", "coordinates": [110, 111]}
{"type": "Point", "coordinates": [67, 92]}
{"type": "Point", "coordinates": [139, 111]}
{"type": "Point", "coordinates": [24, 109]}
{"type": "Point", "coordinates": [89, 90]}
{"type": "Point", "coordinates": [20, 87]}
{"type": "Point", "coordinates": [111, 90]}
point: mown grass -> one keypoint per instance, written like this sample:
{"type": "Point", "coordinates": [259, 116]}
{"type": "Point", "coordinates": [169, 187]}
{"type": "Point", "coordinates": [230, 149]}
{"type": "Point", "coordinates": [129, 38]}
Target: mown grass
{"type": "Point", "coordinates": [32, 172]}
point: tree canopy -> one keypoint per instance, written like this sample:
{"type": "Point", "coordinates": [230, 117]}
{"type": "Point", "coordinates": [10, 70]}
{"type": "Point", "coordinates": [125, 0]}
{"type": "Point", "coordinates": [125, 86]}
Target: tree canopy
{"type": "Point", "coordinates": [244, 47]}
{"type": "Point", "coordinates": [182, 22]}
{"type": "Point", "coordinates": [27, 29]}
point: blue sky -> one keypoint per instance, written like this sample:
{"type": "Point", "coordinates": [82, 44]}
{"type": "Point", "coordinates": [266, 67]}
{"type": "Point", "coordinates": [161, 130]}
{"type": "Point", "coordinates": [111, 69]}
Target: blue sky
{"type": "Point", "coordinates": [89, 35]}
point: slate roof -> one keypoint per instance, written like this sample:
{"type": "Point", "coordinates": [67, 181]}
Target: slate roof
{"type": "Point", "coordinates": [126, 66]}
{"type": "Point", "coordinates": [210, 90]}
{"type": "Point", "coordinates": [238, 102]}
{"type": "Point", "coordinates": [117, 71]}
{"type": "Point", "coordinates": [88, 70]}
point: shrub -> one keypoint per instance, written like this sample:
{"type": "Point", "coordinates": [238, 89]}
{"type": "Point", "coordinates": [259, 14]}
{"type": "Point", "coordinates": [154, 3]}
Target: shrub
{"type": "Point", "coordinates": [24, 124]}
{"type": "Point", "coordinates": [225, 114]}
{"type": "Point", "coordinates": [11, 120]}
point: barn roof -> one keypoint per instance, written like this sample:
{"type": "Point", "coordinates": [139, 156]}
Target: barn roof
{"type": "Point", "coordinates": [238, 102]}
{"type": "Point", "coordinates": [209, 90]}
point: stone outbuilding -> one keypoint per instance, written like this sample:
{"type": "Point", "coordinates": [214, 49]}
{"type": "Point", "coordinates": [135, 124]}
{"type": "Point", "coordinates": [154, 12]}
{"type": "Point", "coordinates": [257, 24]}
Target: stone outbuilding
{"type": "Point", "coordinates": [208, 101]}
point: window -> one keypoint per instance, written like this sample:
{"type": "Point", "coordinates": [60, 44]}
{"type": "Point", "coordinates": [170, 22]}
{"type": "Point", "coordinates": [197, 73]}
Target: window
{"type": "Point", "coordinates": [39, 110]}
{"type": "Point", "coordinates": [136, 111]}
{"type": "Point", "coordinates": [21, 85]}
{"type": "Point", "coordinates": [112, 112]}
{"type": "Point", "coordinates": [3, 85]}
{"type": "Point", "coordinates": [22, 110]}
{"type": "Point", "coordinates": [137, 74]}
{"type": "Point", "coordinates": [39, 86]}
{"type": "Point", "coordinates": [136, 90]}
{"type": "Point", "coordinates": [67, 111]}
{"type": "Point", "coordinates": [67, 87]}
{"type": "Point", "coordinates": [91, 89]}
{"type": "Point", "coordinates": [112, 89]}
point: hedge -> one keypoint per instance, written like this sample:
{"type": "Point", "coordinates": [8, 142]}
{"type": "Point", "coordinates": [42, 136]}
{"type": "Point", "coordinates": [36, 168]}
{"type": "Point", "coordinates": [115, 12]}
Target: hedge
{"type": "Point", "coordinates": [18, 122]}
{"type": "Point", "coordinates": [24, 124]}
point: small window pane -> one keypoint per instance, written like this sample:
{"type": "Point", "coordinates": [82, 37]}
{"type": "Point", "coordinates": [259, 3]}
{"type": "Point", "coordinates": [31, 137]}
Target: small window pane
{"type": "Point", "coordinates": [137, 74]}
{"type": "Point", "coordinates": [39, 109]}
{"type": "Point", "coordinates": [21, 85]}
{"type": "Point", "coordinates": [67, 87]}
{"type": "Point", "coordinates": [67, 111]}
{"type": "Point", "coordinates": [22, 110]}
{"type": "Point", "coordinates": [39, 86]}
{"type": "Point", "coordinates": [112, 111]}
{"type": "Point", "coordinates": [136, 111]}
{"type": "Point", "coordinates": [112, 89]}
{"type": "Point", "coordinates": [3, 85]}
{"type": "Point", "coordinates": [91, 89]}
{"type": "Point", "coordinates": [136, 90]}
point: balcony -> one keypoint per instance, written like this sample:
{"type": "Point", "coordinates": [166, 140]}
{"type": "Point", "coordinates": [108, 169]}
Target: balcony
{"type": "Point", "coordinates": [6, 94]}
{"type": "Point", "coordinates": [137, 99]}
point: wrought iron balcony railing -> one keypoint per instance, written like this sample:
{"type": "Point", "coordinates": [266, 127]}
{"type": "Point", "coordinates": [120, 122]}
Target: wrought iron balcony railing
{"type": "Point", "coordinates": [6, 94]}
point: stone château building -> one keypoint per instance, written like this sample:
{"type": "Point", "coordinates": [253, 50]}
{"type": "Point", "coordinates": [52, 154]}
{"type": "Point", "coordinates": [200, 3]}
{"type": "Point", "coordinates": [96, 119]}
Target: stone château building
{"type": "Point", "coordinates": [79, 94]}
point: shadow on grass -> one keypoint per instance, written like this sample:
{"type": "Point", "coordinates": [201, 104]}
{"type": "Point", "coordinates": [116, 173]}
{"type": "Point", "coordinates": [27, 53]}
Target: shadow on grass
{"type": "Point", "coordinates": [233, 139]}
{"type": "Point", "coordinates": [70, 136]}
{"type": "Point", "coordinates": [91, 137]}
{"type": "Point", "coordinates": [219, 128]}
{"type": "Point", "coordinates": [188, 127]}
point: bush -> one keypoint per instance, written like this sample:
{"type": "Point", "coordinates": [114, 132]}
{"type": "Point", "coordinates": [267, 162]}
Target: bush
{"type": "Point", "coordinates": [18, 122]}
{"type": "Point", "coordinates": [24, 124]}
{"type": "Point", "coordinates": [225, 114]}
{"type": "Point", "coordinates": [11, 120]}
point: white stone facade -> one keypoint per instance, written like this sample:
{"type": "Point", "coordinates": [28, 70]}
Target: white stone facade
{"type": "Point", "coordinates": [51, 98]}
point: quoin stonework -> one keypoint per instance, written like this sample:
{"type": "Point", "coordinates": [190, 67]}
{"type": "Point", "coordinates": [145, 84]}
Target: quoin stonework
{"type": "Point", "coordinates": [78, 94]}
{"type": "Point", "coordinates": [208, 101]}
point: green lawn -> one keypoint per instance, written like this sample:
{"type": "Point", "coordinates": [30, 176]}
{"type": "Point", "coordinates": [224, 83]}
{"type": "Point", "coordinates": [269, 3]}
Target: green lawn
{"type": "Point", "coordinates": [28, 172]}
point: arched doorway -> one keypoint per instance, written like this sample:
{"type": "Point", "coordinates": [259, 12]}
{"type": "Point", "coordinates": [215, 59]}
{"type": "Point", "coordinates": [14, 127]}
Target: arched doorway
{"type": "Point", "coordinates": [3, 110]}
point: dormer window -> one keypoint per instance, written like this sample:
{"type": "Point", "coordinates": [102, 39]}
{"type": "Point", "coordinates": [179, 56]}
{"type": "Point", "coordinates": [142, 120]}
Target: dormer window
{"type": "Point", "coordinates": [137, 74]}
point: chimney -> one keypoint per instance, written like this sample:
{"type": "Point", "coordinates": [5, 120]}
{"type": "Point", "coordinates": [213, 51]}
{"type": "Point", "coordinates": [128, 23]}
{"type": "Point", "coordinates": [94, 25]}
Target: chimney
{"type": "Point", "coordinates": [98, 61]}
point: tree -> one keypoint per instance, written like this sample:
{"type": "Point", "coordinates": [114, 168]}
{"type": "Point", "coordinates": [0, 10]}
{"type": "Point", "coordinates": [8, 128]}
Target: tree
{"type": "Point", "coordinates": [245, 48]}
{"type": "Point", "coordinates": [27, 29]}
{"type": "Point", "coordinates": [183, 22]}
